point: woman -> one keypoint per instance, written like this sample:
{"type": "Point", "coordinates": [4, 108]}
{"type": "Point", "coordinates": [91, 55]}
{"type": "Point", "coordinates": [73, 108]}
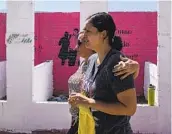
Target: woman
{"type": "Point", "coordinates": [124, 68]}
{"type": "Point", "coordinates": [74, 82]}
{"type": "Point", "coordinates": [111, 100]}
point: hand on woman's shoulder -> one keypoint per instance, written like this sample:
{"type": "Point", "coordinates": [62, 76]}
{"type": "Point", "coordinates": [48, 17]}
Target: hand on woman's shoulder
{"type": "Point", "coordinates": [115, 57]}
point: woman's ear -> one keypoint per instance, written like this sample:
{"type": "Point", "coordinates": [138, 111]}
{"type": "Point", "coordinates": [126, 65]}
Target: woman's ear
{"type": "Point", "coordinates": [104, 34]}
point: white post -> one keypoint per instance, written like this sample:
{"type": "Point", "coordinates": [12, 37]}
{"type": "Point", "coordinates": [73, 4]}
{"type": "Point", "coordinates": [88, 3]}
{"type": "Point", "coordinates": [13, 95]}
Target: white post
{"type": "Point", "coordinates": [20, 52]}
{"type": "Point", "coordinates": [164, 66]}
{"type": "Point", "coordinates": [90, 7]}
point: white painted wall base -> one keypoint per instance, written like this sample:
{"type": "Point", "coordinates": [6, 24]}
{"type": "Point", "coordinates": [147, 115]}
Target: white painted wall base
{"type": "Point", "coordinates": [2, 79]}
{"type": "Point", "coordinates": [150, 77]}
{"type": "Point", "coordinates": [53, 115]}
{"type": "Point", "coordinates": [46, 116]}
{"type": "Point", "coordinates": [42, 88]}
{"type": "Point", "coordinates": [21, 114]}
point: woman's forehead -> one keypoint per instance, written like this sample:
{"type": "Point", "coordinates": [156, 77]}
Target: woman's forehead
{"type": "Point", "coordinates": [89, 27]}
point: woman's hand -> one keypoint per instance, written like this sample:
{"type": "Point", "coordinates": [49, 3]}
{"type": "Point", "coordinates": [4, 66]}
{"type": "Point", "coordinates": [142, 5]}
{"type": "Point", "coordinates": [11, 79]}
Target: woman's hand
{"type": "Point", "coordinates": [126, 67]}
{"type": "Point", "coordinates": [78, 99]}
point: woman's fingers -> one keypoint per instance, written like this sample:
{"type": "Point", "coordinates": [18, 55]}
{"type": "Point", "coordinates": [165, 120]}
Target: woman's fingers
{"type": "Point", "coordinates": [125, 75]}
{"type": "Point", "coordinates": [73, 101]}
{"type": "Point", "coordinates": [79, 99]}
{"type": "Point", "coordinates": [121, 66]}
{"type": "Point", "coordinates": [72, 98]}
{"type": "Point", "coordinates": [122, 72]}
{"type": "Point", "coordinates": [124, 59]}
{"type": "Point", "coordinates": [75, 97]}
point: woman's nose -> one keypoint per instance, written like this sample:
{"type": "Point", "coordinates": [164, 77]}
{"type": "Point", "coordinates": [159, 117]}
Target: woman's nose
{"type": "Point", "coordinates": [84, 33]}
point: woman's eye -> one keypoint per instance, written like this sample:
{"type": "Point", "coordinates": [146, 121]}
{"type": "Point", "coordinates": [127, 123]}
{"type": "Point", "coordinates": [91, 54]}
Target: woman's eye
{"type": "Point", "coordinates": [87, 31]}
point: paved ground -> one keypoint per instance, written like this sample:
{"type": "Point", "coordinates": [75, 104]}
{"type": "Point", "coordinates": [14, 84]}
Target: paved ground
{"type": "Point", "coordinates": [48, 132]}
{"type": "Point", "coordinates": [40, 132]}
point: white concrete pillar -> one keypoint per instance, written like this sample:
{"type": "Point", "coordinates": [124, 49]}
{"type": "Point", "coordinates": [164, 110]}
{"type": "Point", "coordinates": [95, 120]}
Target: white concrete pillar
{"type": "Point", "coordinates": [164, 66]}
{"type": "Point", "coordinates": [20, 52]}
{"type": "Point", "coordinates": [90, 7]}
{"type": "Point", "coordinates": [19, 65]}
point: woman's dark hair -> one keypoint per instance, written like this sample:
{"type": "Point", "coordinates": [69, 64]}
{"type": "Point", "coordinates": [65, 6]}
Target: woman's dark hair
{"type": "Point", "coordinates": [103, 21]}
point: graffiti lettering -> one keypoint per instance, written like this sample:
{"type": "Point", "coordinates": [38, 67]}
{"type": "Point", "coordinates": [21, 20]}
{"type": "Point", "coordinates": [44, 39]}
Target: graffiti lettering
{"type": "Point", "coordinates": [19, 38]}
{"type": "Point", "coordinates": [133, 56]}
{"type": "Point", "coordinates": [123, 32]}
{"type": "Point", "coordinates": [126, 44]}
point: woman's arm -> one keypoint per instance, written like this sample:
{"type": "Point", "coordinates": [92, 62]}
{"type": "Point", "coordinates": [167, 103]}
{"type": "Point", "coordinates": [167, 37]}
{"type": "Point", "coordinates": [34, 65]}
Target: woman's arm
{"type": "Point", "coordinates": [123, 89]}
{"type": "Point", "coordinates": [127, 105]}
{"type": "Point", "coordinates": [126, 95]}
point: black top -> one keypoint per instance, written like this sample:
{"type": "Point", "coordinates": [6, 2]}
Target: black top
{"type": "Point", "coordinates": [101, 84]}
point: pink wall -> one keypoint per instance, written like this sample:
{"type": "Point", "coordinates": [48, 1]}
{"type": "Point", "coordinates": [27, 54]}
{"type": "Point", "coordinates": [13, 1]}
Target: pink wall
{"type": "Point", "coordinates": [141, 43]}
{"type": "Point", "coordinates": [140, 40]}
{"type": "Point", "coordinates": [2, 36]}
{"type": "Point", "coordinates": [48, 38]}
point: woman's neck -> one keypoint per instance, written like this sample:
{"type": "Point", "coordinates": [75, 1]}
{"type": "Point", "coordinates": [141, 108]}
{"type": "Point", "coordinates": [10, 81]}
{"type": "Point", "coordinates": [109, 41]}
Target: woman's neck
{"type": "Point", "coordinates": [102, 52]}
{"type": "Point", "coordinates": [86, 58]}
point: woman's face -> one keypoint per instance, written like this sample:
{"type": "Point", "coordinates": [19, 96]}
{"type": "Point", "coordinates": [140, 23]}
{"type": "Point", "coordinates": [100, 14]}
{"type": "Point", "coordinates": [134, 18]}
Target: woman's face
{"type": "Point", "coordinates": [92, 36]}
{"type": "Point", "coordinates": [81, 48]}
